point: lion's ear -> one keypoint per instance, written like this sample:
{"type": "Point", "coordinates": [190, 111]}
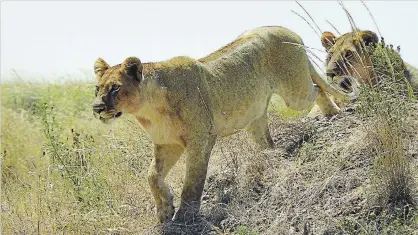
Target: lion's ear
{"type": "Point", "coordinates": [132, 67]}
{"type": "Point", "coordinates": [327, 40]}
{"type": "Point", "coordinates": [369, 37]}
{"type": "Point", "coordinates": [100, 67]}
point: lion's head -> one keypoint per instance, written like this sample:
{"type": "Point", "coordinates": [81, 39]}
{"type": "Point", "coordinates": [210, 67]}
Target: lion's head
{"type": "Point", "coordinates": [348, 62]}
{"type": "Point", "coordinates": [117, 88]}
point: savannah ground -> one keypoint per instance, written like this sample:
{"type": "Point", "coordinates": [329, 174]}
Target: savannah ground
{"type": "Point", "coordinates": [64, 172]}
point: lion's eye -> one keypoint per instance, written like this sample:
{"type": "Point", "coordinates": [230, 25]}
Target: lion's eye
{"type": "Point", "coordinates": [348, 54]}
{"type": "Point", "coordinates": [115, 87]}
{"type": "Point", "coordinates": [97, 90]}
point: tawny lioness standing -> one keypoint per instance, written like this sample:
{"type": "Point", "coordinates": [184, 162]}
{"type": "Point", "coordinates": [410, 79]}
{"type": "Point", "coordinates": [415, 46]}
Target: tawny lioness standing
{"type": "Point", "coordinates": [185, 104]}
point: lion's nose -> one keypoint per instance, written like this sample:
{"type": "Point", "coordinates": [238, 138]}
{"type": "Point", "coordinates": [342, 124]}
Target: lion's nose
{"type": "Point", "coordinates": [98, 108]}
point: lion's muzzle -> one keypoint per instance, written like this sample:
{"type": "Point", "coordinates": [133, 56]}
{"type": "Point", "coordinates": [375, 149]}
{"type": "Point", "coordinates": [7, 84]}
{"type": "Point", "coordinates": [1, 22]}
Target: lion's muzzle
{"type": "Point", "coordinates": [102, 112]}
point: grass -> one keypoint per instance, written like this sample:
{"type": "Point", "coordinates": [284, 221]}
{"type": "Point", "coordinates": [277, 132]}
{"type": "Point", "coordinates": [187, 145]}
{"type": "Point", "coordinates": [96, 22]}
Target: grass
{"type": "Point", "coordinates": [64, 171]}
{"type": "Point", "coordinates": [387, 111]}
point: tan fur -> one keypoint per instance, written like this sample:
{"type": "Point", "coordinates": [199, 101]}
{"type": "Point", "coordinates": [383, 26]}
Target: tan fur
{"type": "Point", "coordinates": [346, 56]}
{"type": "Point", "coordinates": [346, 62]}
{"type": "Point", "coordinates": [358, 65]}
{"type": "Point", "coordinates": [184, 104]}
{"type": "Point", "coordinates": [350, 66]}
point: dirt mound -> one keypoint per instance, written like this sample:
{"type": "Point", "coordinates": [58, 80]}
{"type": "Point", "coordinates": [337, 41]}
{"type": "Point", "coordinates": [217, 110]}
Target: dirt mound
{"type": "Point", "coordinates": [316, 173]}
{"type": "Point", "coordinates": [313, 181]}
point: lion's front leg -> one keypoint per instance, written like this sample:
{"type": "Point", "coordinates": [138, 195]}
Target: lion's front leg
{"type": "Point", "coordinates": [165, 156]}
{"type": "Point", "coordinates": [196, 169]}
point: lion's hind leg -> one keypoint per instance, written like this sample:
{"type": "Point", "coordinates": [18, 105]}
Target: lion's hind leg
{"type": "Point", "coordinates": [165, 156]}
{"type": "Point", "coordinates": [326, 104]}
{"type": "Point", "coordinates": [259, 132]}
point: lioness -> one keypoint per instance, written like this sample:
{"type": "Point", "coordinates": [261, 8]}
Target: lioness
{"type": "Point", "coordinates": [184, 104]}
{"type": "Point", "coordinates": [350, 63]}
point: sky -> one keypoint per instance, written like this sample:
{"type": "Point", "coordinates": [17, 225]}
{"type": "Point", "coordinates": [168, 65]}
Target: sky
{"type": "Point", "coordinates": [57, 40]}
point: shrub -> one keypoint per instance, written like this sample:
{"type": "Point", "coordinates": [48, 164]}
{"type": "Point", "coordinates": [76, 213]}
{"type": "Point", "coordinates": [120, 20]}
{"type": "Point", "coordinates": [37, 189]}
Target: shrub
{"type": "Point", "coordinates": [385, 109]}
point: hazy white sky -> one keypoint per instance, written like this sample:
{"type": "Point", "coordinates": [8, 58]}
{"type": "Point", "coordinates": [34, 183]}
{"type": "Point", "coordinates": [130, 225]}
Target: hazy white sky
{"type": "Point", "coordinates": [51, 38]}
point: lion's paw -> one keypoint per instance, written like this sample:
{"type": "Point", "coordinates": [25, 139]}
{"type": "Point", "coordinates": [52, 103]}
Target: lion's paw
{"type": "Point", "coordinates": [166, 213]}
